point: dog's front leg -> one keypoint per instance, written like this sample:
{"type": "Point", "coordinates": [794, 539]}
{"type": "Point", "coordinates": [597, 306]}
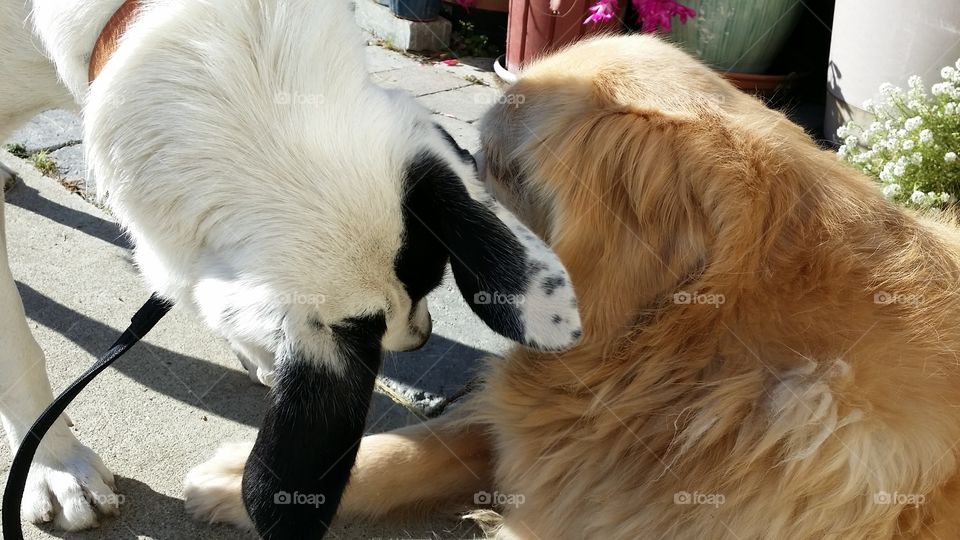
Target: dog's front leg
{"type": "Point", "coordinates": [68, 484]}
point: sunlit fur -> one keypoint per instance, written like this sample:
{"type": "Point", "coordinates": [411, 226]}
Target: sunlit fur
{"type": "Point", "coordinates": [801, 400]}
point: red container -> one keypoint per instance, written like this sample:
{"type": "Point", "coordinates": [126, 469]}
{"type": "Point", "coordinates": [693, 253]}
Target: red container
{"type": "Point", "coordinates": [534, 29]}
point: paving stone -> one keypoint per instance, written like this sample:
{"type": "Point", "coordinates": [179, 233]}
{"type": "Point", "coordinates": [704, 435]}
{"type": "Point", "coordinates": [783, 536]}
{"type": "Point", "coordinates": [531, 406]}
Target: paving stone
{"type": "Point", "coordinates": [468, 103]}
{"type": "Point", "coordinates": [418, 80]}
{"type": "Point", "coordinates": [380, 59]}
{"type": "Point", "coordinates": [466, 135]}
{"type": "Point", "coordinates": [48, 129]}
{"type": "Point", "coordinates": [70, 162]}
{"type": "Point", "coordinates": [474, 66]}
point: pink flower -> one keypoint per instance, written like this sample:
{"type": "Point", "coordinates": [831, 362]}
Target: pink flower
{"type": "Point", "coordinates": [653, 14]}
{"type": "Point", "coordinates": [659, 13]}
{"type": "Point", "coordinates": [602, 11]}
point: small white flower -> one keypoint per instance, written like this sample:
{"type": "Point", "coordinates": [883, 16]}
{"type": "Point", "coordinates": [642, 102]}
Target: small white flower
{"type": "Point", "coordinates": [950, 108]}
{"type": "Point", "coordinates": [887, 89]}
{"type": "Point", "coordinates": [940, 89]}
{"type": "Point", "coordinates": [917, 197]}
{"type": "Point", "coordinates": [950, 157]}
{"type": "Point", "coordinates": [851, 141]}
{"type": "Point", "coordinates": [945, 197]}
{"type": "Point", "coordinates": [843, 132]}
{"type": "Point", "coordinates": [891, 189]}
{"type": "Point", "coordinates": [916, 158]}
{"type": "Point", "coordinates": [899, 169]}
{"type": "Point", "coordinates": [926, 136]}
{"type": "Point", "coordinates": [908, 144]}
{"type": "Point", "coordinates": [913, 123]}
{"type": "Point", "coordinates": [901, 133]}
{"type": "Point", "coordinates": [887, 173]}
{"type": "Point", "coordinates": [868, 105]}
{"type": "Point", "coordinates": [948, 73]}
{"type": "Point", "coordinates": [842, 151]}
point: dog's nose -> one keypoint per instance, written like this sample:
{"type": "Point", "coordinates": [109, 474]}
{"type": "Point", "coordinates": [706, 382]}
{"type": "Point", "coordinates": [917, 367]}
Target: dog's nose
{"type": "Point", "coordinates": [424, 337]}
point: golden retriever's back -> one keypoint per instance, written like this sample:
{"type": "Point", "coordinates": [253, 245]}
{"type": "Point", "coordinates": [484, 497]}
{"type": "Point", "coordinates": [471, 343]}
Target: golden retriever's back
{"type": "Point", "coordinates": [762, 330]}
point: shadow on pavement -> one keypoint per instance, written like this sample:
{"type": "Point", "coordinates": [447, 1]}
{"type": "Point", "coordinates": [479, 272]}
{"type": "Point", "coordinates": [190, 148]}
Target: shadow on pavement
{"type": "Point", "coordinates": [442, 366]}
{"type": "Point", "coordinates": [194, 381]}
{"type": "Point", "coordinates": [30, 199]}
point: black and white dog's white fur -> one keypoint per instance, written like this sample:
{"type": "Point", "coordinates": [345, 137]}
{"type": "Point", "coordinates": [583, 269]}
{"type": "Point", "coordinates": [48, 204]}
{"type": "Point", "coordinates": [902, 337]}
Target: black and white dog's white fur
{"type": "Point", "coordinates": [302, 211]}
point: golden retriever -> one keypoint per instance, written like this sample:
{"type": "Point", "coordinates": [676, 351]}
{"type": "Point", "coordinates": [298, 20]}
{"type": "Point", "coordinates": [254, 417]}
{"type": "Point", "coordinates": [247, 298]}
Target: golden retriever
{"type": "Point", "coordinates": [769, 346]}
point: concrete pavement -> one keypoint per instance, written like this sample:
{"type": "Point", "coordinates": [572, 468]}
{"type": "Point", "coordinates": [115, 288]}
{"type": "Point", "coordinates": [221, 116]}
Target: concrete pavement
{"type": "Point", "coordinates": [181, 393]}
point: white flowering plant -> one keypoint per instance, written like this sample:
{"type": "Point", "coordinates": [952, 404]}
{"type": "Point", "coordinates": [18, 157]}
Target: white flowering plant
{"type": "Point", "coordinates": [912, 145]}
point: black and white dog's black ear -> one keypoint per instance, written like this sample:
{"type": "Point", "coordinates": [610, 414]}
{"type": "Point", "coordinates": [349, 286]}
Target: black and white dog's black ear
{"type": "Point", "coordinates": [301, 462]}
{"type": "Point", "coordinates": [507, 275]}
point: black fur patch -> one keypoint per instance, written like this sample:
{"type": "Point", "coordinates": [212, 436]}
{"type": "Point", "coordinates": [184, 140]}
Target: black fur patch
{"type": "Point", "coordinates": [551, 284]}
{"type": "Point", "coordinates": [422, 258]}
{"type": "Point", "coordinates": [301, 462]}
{"type": "Point", "coordinates": [489, 263]}
{"type": "Point", "coordinates": [465, 155]}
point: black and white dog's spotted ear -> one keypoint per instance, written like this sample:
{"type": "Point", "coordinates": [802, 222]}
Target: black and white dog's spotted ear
{"type": "Point", "coordinates": [300, 464]}
{"type": "Point", "coordinates": [508, 276]}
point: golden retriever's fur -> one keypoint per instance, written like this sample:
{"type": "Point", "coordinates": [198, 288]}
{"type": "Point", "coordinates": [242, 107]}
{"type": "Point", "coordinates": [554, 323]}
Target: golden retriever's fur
{"type": "Point", "coordinates": [820, 399]}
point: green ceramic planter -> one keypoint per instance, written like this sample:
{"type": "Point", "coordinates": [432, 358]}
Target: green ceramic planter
{"type": "Point", "coordinates": [737, 35]}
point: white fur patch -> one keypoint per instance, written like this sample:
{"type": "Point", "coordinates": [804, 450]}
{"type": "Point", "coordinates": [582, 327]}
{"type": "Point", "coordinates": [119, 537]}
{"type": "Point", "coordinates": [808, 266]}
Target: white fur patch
{"type": "Point", "coordinates": [803, 410]}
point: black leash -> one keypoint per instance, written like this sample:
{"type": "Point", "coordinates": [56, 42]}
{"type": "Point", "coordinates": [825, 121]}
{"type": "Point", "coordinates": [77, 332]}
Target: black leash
{"type": "Point", "coordinates": [141, 323]}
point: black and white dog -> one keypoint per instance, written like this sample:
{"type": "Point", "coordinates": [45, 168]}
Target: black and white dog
{"type": "Point", "coordinates": [256, 167]}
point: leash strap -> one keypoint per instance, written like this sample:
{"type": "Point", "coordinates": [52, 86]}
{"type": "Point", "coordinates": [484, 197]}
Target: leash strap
{"type": "Point", "coordinates": [141, 323]}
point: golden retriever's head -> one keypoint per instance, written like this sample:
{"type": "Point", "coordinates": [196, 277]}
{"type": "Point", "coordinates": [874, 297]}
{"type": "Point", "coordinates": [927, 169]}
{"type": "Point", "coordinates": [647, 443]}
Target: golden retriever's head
{"type": "Point", "coordinates": [644, 170]}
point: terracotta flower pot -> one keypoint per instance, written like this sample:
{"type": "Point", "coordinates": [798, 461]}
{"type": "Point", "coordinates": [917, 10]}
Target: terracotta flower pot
{"type": "Point", "coordinates": [534, 29]}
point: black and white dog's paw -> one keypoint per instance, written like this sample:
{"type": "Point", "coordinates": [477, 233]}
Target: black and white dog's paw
{"type": "Point", "coordinates": [70, 488]}
{"type": "Point", "coordinates": [213, 490]}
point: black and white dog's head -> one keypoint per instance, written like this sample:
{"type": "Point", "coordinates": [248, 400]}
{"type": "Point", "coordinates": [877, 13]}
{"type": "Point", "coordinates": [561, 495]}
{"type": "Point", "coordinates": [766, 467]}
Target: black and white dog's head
{"type": "Point", "coordinates": [307, 445]}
